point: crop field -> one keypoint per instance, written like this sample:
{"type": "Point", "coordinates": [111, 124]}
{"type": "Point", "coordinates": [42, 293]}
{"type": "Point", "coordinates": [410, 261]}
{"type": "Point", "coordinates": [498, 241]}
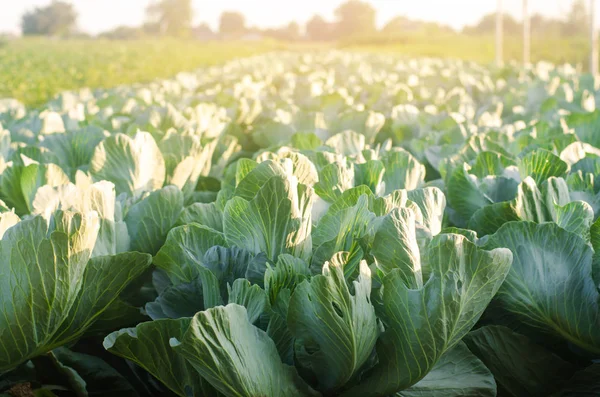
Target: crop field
{"type": "Point", "coordinates": [33, 70]}
{"type": "Point", "coordinates": [302, 224]}
{"type": "Point", "coordinates": [481, 48]}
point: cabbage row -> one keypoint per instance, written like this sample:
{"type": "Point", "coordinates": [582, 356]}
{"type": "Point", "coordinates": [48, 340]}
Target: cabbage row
{"type": "Point", "coordinates": [305, 225]}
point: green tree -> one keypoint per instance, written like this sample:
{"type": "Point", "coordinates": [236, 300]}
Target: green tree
{"type": "Point", "coordinates": [57, 18]}
{"type": "Point", "coordinates": [544, 27]}
{"type": "Point", "coordinates": [292, 31]}
{"type": "Point", "coordinates": [170, 17]}
{"type": "Point", "coordinates": [318, 29]}
{"type": "Point", "coordinates": [355, 17]}
{"type": "Point", "coordinates": [232, 23]}
{"type": "Point", "coordinates": [577, 22]}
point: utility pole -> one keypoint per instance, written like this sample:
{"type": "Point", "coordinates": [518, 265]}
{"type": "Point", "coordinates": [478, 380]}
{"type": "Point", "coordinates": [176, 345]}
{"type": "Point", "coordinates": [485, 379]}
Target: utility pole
{"type": "Point", "coordinates": [526, 34]}
{"type": "Point", "coordinates": [499, 20]}
{"type": "Point", "coordinates": [593, 40]}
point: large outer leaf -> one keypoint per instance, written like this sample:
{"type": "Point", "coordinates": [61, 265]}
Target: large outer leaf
{"type": "Point", "coordinates": [5, 139]}
{"type": "Point", "coordinates": [458, 373]}
{"type": "Point", "coordinates": [7, 220]}
{"type": "Point", "coordinates": [369, 174]}
{"type": "Point", "coordinates": [83, 197]}
{"type": "Point", "coordinates": [187, 298]}
{"type": "Point", "coordinates": [594, 240]}
{"type": "Point", "coordinates": [346, 222]}
{"type": "Point", "coordinates": [252, 297]}
{"type": "Point", "coordinates": [299, 175]}
{"type": "Point", "coordinates": [230, 264]}
{"type": "Point", "coordinates": [93, 376]}
{"type": "Point", "coordinates": [278, 329]}
{"type": "Point", "coordinates": [184, 249]}
{"type": "Point", "coordinates": [36, 175]}
{"type": "Point", "coordinates": [366, 122]}
{"type": "Point", "coordinates": [176, 301]}
{"type": "Point", "coordinates": [207, 214]}
{"type": "Point", "coordinates": [75, 148]}
{"type": "Point", "coordinates": [40, 281]}
{"type": "Point", "coordinates": [251, 176]}
{"type": "Point", "coordinates": [148, 346]}
{"type": "Point", "coordinates": [104, 279]}
{"type": "Point", "coordinates": [269, 223]}
{"type": "Point", "coordinates": [402, 171]}
{"type": "Point", "coordinates": [235, 357]}
{"type": "Point", "coordinates": [541, 165]}
{"type": "Point", "coordinates": [280, 282]}
{"type": "Point", "coordinates": [133, 164]}
{"type": "Point", "coordinates": [347, 142]}
{"type": "Point", "coordinates": [521, 368]}
{"type": "Point", "coordinates": [432, 202]}
{"type": "Point", "coordinates": [149, 220]}
{"type": "Point", "coordinates": [422, 324]}
{"type": "Point", "coordinates": [10, 189]}
{"type": "Point", "coordinates": [287, 273]}
{"type": "Point", "coordinates": [119, 314]}
{"type": "Point", "coordinates": [489, 219]}
{"type": "Point", "coordinates": [334, 179]}
{"type": "Point", "coordinates": [551, 204]}
{"type": "Point", "coordinates": [294, 163]}
{"type": "Point", "coordinates": [550, 284]}
{"type": "Point", "coordinates": [490, 163]}
{"type": "Point", "coordinates": [206, 279]}
{"type": "Point", "coordinates": [464, 194]}
{"type": "Point", "coordinates": [395, 246]}
{"type": "Point", "coordinates": [335, 330]}
{"type": "Point", "coordinates": [585, 126]}
{"type": "Point", "coordinates": [382, 206]}
{"type": "Point", "coordinates": [186, 173]}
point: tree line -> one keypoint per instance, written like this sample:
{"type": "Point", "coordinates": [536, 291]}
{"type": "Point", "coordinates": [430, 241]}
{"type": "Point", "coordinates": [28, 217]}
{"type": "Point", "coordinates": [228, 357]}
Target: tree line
{"type": "Point", "coordinates": [353, 18]}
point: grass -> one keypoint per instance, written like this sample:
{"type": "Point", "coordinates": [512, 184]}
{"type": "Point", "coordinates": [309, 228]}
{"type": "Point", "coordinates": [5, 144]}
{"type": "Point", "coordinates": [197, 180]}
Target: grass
{"type": "Point", "coordinates": [34, 70]}
{"type": "Point", "coordinates": [480, 49]}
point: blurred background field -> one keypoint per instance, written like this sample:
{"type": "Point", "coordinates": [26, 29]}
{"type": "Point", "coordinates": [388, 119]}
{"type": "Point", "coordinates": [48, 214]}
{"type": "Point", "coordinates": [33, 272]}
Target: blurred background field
{"type": "Point", "coordinates": [35, 69]}
{"type": "Point", "coordinates": [54, 50]}
{"type": "Point", "coordinates": [480, 49]}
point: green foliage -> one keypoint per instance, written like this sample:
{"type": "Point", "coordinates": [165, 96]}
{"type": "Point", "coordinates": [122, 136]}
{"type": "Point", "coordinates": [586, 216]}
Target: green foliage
{"type": "Point", "coordinates": [232, 24]}
{"type": "Point", "coordinates": [35, 70]}
{"type": "Point", "coordinates": [57, 18]}
{"type": "Point", "coordinates": [355, 17]}
{"type": "Point", "coordinates": [318, 225]}
{"type": "Point", "coordinates": [171, 17]}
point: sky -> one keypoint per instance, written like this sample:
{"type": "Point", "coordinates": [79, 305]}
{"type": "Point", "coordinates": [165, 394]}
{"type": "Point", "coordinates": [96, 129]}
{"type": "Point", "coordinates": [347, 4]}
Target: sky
{"type": "Point", "coordinates": [96, 16]}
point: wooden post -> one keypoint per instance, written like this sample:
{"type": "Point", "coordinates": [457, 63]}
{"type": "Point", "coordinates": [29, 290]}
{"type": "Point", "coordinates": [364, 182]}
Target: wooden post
{"type": "Point", "coordinates": [526, 34]}
{"type": "Point", "coordinates": [593, 40]}
{"type": "Point", "coordinates": [499, 20]}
